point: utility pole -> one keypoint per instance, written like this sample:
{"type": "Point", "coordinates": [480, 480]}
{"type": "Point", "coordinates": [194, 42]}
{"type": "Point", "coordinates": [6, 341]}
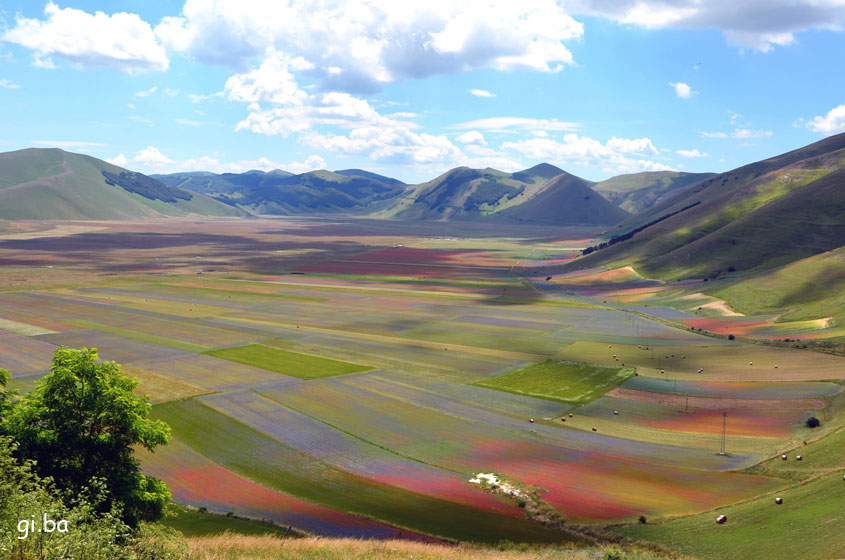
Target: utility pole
{"type": "Point", "coordinates": [724, 425]}
{"type": "Point", "coordinates": [686, 408]}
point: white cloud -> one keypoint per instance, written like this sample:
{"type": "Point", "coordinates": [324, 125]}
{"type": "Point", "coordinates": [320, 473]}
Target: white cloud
{"type": "Point", "coordinates": [359, 46]}
{"type": "Point", "coordinates": [8, 85]}
{"type": "Point", "coordinates": [617, 153]}
{"type": "Point", "coordinates": [692, 153]}
{"type": "Point", "coordinates": [118, 160]}
{"type": "Point", "coordinates": [130, 105]}
{"type": "Point", "coordinates": [271, 82]}
{"type": "Point", "coordinates": [146, 92]}
{"type": "Point", "coordinates": [743, 133]}
{"type": "Point", "coordinates": [682, 90]}
{"type": "Point", "coordinates": [136, 118]}
{"type": "Point", "coordinates": [171, 92]}
{"type": "Point", "coordinates": [510, 123]}
{"type": "Point", "coordinates": [197, 98]}
{"type": "Point", "coordinates": [188, 122]}
{"type": "Point", "coordinates": [67, 143]}
{"type": "Point", "coordinates": [481, 93]}
{"type": "Point", "coordinates": [472, 137]}
{"type": "Point", "coordinates": [832, 123]}
{"type": "Point", "coordinates": [403, 115]}
{"type": "Point", "coordinates": [757, 24]}
{"type": "Point", "coordinates": [151, 156]}
{"type": "Point", "coordinates": [122, 40]}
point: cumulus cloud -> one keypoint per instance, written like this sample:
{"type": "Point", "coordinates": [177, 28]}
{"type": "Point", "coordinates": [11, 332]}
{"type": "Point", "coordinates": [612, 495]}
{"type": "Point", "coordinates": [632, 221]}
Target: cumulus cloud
{"type": "Point", "coordinates": [692, 153]}
{"type": "Point", "coordinates": [481, 93]}
{"type": "Point", "coordinates": [472, 137]}
{"type": "Point", "coordinates": [515, 123]}
{"type": "Point", "coordinates": [620, 154]}
{"type": "Point", "coordinates": [151, 156]}
{"type": "Point", "coordinates": [122, 40]}
{"type": "Point", "coordinates": [357, 47]}
{"type": "Point", "coordinates": [9, 85]}
{"type": "Point", "coordinates": [757, 24]}
{"type": "Point", "coordinates": [742, 133]}
{"type": "Point", "coordinates": [832, 123]}
{"type": "Point", "coordinates": [682, 90]}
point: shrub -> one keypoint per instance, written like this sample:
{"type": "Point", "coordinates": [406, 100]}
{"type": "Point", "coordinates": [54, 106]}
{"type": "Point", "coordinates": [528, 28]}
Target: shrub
{"type": "Point", "coordinates": [643, 520]}
{"type": "Point", "coordinates": [813, 422]}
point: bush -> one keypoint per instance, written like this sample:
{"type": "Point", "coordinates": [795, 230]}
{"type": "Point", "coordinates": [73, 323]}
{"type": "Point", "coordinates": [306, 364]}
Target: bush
{"type": "Point", "coordinates": [731, 337]}
{"type": "Point", "coordinates": [643, 520]}
{"type": "Point", "coordinates": [813, 422]}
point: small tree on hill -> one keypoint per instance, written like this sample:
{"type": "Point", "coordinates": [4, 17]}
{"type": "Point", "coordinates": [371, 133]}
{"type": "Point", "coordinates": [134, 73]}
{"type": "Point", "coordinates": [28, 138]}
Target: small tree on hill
{"type": "Point", "coordinates": [81, 423]}
{"type": "Point", "coordinates": [813, 422]}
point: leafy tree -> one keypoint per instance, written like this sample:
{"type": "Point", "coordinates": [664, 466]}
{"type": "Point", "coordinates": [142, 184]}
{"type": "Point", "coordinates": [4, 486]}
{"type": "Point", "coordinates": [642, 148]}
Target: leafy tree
{"type": "Point", "coordinates": [813, 422]}
{"type": "Point", "coordinates": [81, 423]}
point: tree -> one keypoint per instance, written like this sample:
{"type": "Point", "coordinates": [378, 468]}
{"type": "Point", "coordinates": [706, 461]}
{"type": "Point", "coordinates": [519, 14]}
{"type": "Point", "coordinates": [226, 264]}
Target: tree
{"type": "Point", "coordinates": [80, 425]}
{"type": "Point", "coordinates": [813, 422]}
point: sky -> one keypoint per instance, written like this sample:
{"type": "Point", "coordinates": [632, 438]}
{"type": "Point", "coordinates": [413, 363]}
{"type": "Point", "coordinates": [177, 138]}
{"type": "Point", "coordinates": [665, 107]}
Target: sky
{"type": "Point", "coordinates": [412, 89]}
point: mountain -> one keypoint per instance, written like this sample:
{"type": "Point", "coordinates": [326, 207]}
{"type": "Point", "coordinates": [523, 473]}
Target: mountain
{"type": "Point", "coordinates": [543, 194]}
{"type": "Point", "coordinates": [636, 192]}
{"type": "Point", "coordinates": [280, 192]}
{"type": "Point", "coordinates": [52, 184]}
{"type": "Point", "coordinates": [756, 217]}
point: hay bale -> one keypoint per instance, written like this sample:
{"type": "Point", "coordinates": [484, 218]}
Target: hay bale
{"type": "Point", "coordinates": [570, 415]}
{"type": "Point", "coordinates": [778, 501]}
{"type": "Point", "coordinates": [783, 457]}
{"type": "Point", "coordinates": [563, 419]}
{"type": "Point", "coordinates": [531, 420]}
{"type": "Point", "coordinates": [799, 458]}
{"type": "Point", "coordinates": [595, 429]}
{"type": "Point", "coordinates": [721, 519]}
{"type": "Point", "coordinates": [776, 366]}
{"type": "Point", "coordinates": [616, 412]}
{"type": "Point", "coordinates": [750, 363]}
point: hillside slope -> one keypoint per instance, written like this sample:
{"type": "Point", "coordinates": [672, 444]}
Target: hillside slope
{"type": "Point", "coordinates": [757, 217]}
{"type": "Point", "coordinates": [283, 193]}
{"type": "Point", "coordinates": [637, 192]}
{"type": "Point", "coordinates": [543, 194]}
{"type": "Point", "coordinates": [52, 184]}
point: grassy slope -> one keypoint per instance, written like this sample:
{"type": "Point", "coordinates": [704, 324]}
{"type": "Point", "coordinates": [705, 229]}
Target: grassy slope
{"type": "Point", "coordinates": [759, 216]}
{"type": "Point", "coordinates": [637, 192]}
{"type": "Point", "coordinates": [63, 185]}
{"type": "Point", "coordinates": [286, 362]}
{"type": "Point", "coordinates": [192, 523]}
{"type": "Point", "coordinates": [569, 382]}
{"type": "Point", "coordinates": [235, 547]}
{"type": "Point", "coordinates": [806, 289]}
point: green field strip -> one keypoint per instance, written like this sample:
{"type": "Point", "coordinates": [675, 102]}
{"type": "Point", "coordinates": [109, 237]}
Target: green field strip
{"type": "Point", "coordinates": [22, 328]}
{"type": "Point", "coordinates": [376, 291]}
{"type": "Point", "coordinates": [270, 463]}
{"type": "Point", "coordinates": [193, 523]}
{"type": "Point", "coordinates": [824, 455]}
{"type": "Point", "coordinates": [152, 339]}
{"type": "Point", "coordinates": [225, 291]}
{"type": "Point", "coordinates": [564, 381]}
{"type": "Point", "coordinates": [806, 526]}
{"type": "Point", "coordinates": [304, 366]}
{"type": "Point", "coordinates": [394, 339]}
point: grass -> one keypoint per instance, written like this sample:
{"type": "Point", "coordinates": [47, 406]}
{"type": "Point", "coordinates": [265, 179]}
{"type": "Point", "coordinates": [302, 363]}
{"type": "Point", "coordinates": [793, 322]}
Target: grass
{"type": "Point", "coordinates": [236, 547]}
{"type": "Point", "coordinates": [820, 457]}
{"type": "Point", "coordinates": [222, 291]}
{"type": "Point", "coordinates": [286, 362]}
{"type": "Point", "coordinates": [193, 523]}
{"type": "Point", "coordinates": [806, 526]}
{"type": "Point", "coordinates": [143, 337]}
{"type": "Point", "coordinates": [565, 381]}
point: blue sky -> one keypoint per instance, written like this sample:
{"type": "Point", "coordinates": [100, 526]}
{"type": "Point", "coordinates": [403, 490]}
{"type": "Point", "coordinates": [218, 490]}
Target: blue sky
{"type": "Point", "coordinates": [412, 89]}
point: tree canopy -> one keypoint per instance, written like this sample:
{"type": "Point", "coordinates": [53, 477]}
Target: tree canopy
{"type": "Point", "coordinates": [80, 424]}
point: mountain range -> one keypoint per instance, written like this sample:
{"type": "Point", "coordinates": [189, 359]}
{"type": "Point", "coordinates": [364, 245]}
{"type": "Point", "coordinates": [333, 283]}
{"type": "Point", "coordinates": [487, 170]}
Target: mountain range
{"type": "Point", "coordinates": [668, 224]}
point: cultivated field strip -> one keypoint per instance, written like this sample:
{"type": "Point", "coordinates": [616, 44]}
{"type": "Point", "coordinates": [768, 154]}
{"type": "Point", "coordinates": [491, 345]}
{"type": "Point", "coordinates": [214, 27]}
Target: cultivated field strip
{"type": "Point", "coordinates": [195, 480]}
{"type": "Point", "coordinates": [213, 374]}
{"type": "Point", "coordinates": [24, 355]}
{"type": "Point", "coordinates": [351, 453]}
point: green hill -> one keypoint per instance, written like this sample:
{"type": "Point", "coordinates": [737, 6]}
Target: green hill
{"type": "Point", "coordinates": [543, 194]}
{"type": "Point", "coordinates": [51, 184]}
{"type": "Point", "coordinates": [283, 193]}
{"type": "Point", "coordinates": [637, 192]}
{"type": "Point", "coordinates": [757, 217]}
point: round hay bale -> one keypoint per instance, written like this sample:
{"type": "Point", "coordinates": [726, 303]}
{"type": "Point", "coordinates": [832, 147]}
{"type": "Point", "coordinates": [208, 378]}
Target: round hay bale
{"type": "Point", "coordinates": [595, 429]}
{"type": "Point", "coordinates": [563, 419]}
{"type": "Point", "coordinates": [570, 415]}
{"type": "Point", "coordinates": [531, 420]}
{"type": "Point", "coordinates": [776, 366]}
{"type": "Point", "coordinates": [721, 519]}
{"type": "Point", "coordinates": [778, 501]}
{"type": "Point", "coordinates": [799, 458]}
{"type": "Point", "coordinates": [750, 363]}
{"type": "Point", "coordinates": [662, 371]}
{"type": "Point", "coordinates": [616, 412]}
{"type": "Point", "coordinates": [783, 457]}
{"type": "Point", "coordinates": [683, 357]}
{"type": "Point", "coordinates": [610, 346]}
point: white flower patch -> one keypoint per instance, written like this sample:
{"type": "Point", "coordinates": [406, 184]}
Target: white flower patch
{"type": "Point", "coordinates": [497, 485]}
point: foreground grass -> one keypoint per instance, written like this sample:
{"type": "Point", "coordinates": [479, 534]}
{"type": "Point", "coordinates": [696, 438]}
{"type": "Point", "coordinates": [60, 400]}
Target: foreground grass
{"type": "Point", "coordinates": [569, 382]}
{"type": "Point", "coordinates": [238, 547]}
{"type": "Point", "coordinates": [286, 362]}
